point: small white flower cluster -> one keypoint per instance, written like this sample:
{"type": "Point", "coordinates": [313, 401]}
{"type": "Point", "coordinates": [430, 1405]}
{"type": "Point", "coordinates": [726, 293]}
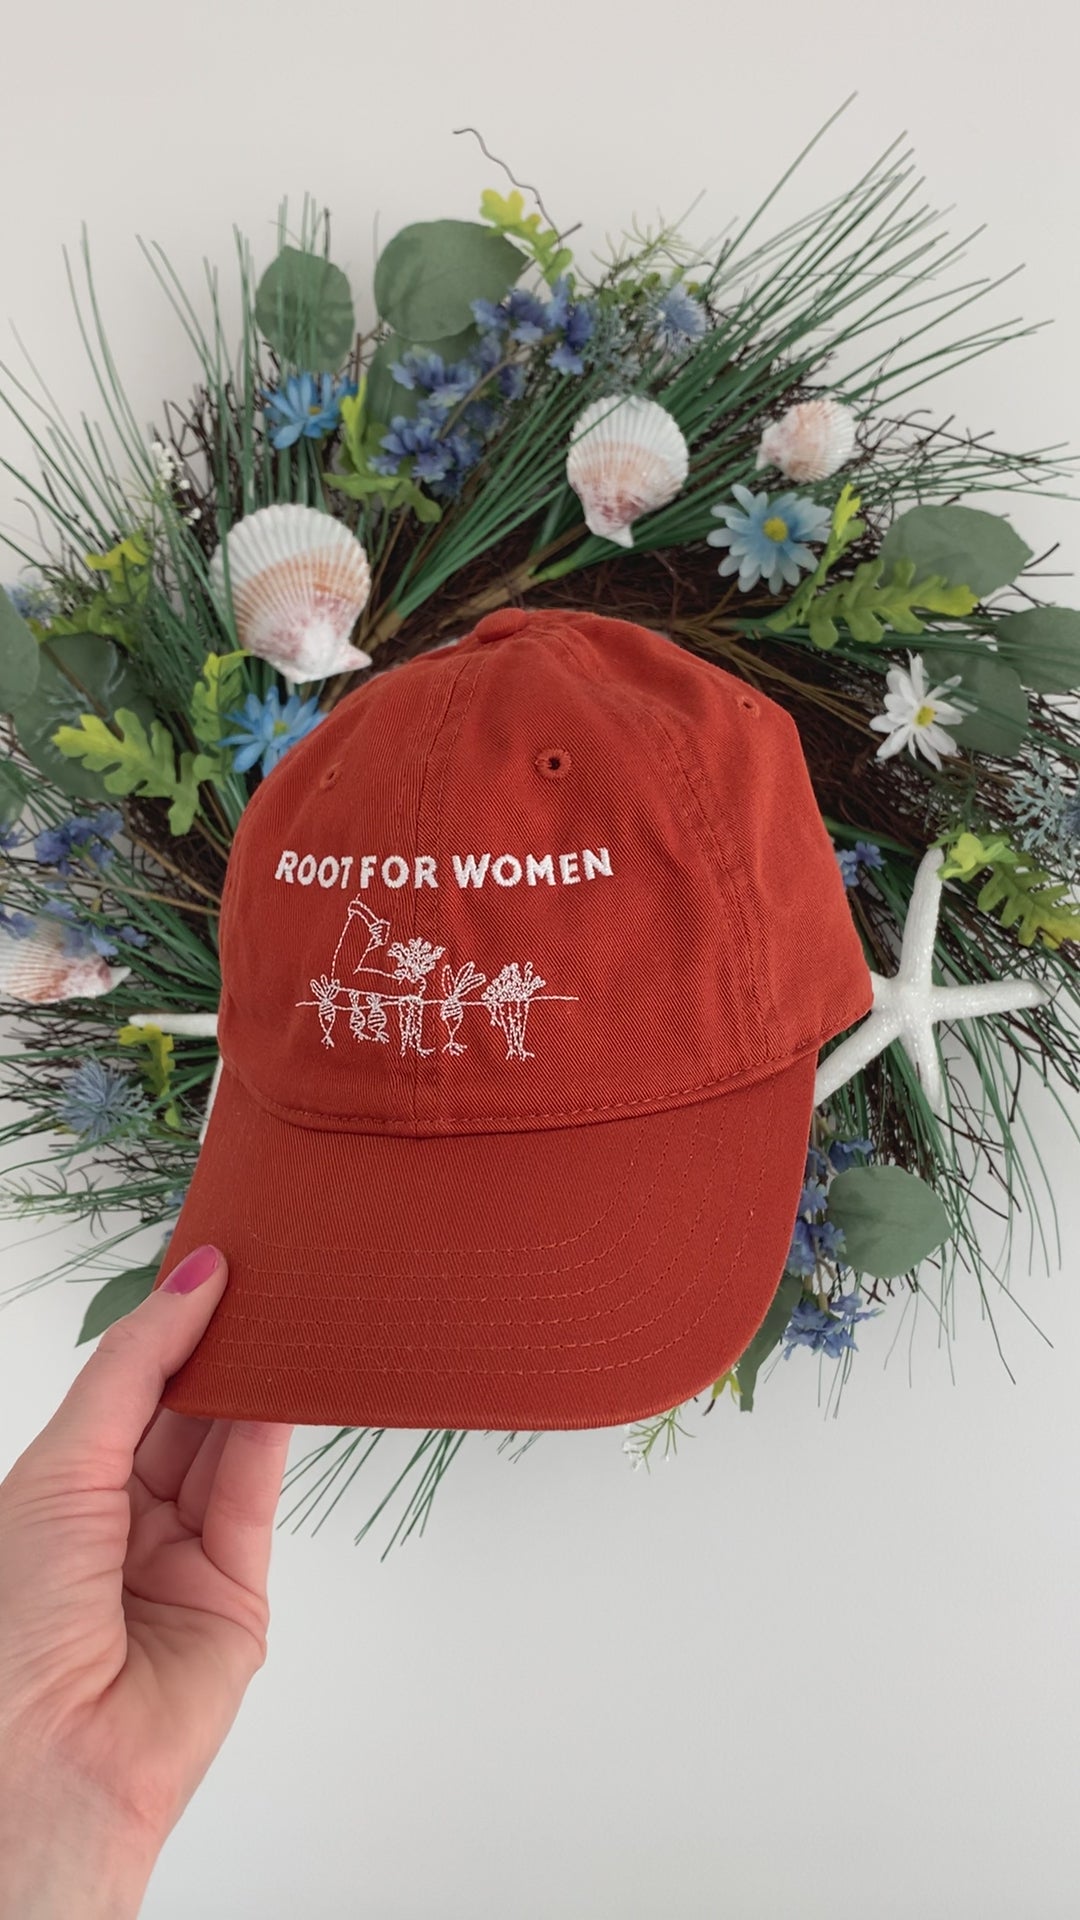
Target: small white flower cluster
{"type": "Point", "coordinates": [171, 477]}
{"type": "Point", "coordinates": [636, 1446]}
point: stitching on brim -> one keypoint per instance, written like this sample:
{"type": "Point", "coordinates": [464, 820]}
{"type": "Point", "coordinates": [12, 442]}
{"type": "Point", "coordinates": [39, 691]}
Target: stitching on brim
{"type": "Point", "coordinates": [551, 1246]}
{"type": "Point", "coordinates": [609, 1366]}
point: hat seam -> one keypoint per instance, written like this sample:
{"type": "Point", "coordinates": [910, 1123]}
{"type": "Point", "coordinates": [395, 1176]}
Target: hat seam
{"type": "Point", "coordinates": [478, 661]}
{"type": "Point", "coordinates": [512, 1252]}
{"type": "Point", "coordinates": [737, 883]}
{"type": "Point", "coordinates": [561, 1117]}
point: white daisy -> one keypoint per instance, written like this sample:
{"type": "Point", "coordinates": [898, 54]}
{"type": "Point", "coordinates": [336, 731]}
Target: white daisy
{"type": "Point", "coordinates": [916, 716]}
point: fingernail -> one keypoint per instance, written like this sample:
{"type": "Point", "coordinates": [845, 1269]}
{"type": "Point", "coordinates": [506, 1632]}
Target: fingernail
{"type": "Point", "coordinates": [193, 1270]}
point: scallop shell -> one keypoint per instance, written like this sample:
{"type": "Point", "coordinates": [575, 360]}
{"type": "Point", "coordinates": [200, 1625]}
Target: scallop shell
{"type": "Point", "coordinates": [810, 441]}
{"type": "Point", "coordinates": [36, 970]}
{"type": "Point", "coordinates": [299, 579]}
{"type": "Point", "coordinates": [627, 457]}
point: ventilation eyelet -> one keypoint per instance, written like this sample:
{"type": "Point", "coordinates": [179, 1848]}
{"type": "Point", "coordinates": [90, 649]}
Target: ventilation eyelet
{"type": "Point", "coordinates": [553, 762]}
{"type": "Point", "coordinates": [331, 775]}
{"type": "Point", "coordinates": [748, 705]}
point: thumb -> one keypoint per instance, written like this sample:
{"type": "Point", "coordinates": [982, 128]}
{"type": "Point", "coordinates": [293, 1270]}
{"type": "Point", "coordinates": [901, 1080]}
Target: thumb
{"type": "Point", "coordinates": [108, 1407]}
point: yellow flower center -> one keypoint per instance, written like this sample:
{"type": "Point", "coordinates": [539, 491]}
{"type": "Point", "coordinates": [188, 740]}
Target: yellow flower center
{"type": "Point", "coordinates": [280, 726]}
{"type": "Point", "coordinates": [924, 716]}
{"type": "Point", "coordinates": [775, 529]}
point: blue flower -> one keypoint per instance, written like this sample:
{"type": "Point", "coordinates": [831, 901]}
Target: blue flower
{"type": "Point", "coordinates": [265, 729]}
{"type": "Point", "coordinates": [83, 936]}
{"type": "Point", "coordinates": [489, 316]}
{"type": "Point", "coordinates": [97, 1101]}
{"type": "Point", "coordinates": [678, 320]}
{"type": "Point", "coordinates": [33, 602]}
{"type": "Point", "coordinates": [827, 1331]}
{"type": "Point", "coordinates": [85, 834]}
{"type": "Point", "coordinates": [814, 1238]}
{"type": "Point", "coordinates": [863, 857]}
{"type": "Point", "coordinates": [512, 382]}
{"type": "Point", "coordinates": [15, 924]}
{"type": "Point", "coordinates": [843, 1153]}
{"type": "Point", "coordinates": [306, 406]}
{"type": "Point", "coordinates": [420, 368]}
{"type": "Point", "coordinates": [10, 838]}
{"type": "Point", "coordinates": [767, 538]}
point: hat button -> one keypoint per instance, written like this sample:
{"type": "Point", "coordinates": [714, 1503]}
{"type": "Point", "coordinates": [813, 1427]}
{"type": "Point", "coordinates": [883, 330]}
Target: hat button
{"type": "Point", "coordinates": [501, 624]}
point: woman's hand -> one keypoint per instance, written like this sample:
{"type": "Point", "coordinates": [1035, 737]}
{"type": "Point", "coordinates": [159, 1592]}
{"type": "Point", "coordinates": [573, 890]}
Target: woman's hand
{"type": "Point", "coordinates": [134, 1545]}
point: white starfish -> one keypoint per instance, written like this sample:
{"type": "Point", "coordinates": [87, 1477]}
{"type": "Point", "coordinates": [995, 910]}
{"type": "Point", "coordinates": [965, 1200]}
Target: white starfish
{"type": "Point", "coordinates": [907, 1007]}
{"type": "Point", "coordinates": [200, 1026]}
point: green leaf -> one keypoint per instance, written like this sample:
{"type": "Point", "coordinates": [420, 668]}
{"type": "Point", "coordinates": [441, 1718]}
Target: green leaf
{"type": "Point", "coordinates": [78, 673]}
{"type": "Point", "coordinates": [963, 545]}
{"type": "Point", "coordinates": [507, 213]}
{"type": "Point", "coordinates": [304, 308]}
{"type": "Point", "coordinates": [890, 1219]}
{"type": "Point", "coordinates": [158, 1065]}
{"type": "Point", "coordinates": [1043, 644]}
{"type": "Point", "coordinates": [396, 491]}
{"type": "Point", "coordinates": [133, 763]}
{"type": "Point", "coordinates": [14, 790]}
{"type": "Point", "coordinates": [869, 605]}
{"type": "Point", "coordinates": [846, 528]}
{"type": "Point", "coordinates": [999, 723]}
{"type": "Point", "coordinates": [221, 685]}
{"type": "Point", "coordinates": [19, 657]}
{"type": "Point", "coordinates": [429, 273]}
{"type": "Point", "coordinates": [769, 1334]}
{"type": "Point", "coordinates": [120, 1295]}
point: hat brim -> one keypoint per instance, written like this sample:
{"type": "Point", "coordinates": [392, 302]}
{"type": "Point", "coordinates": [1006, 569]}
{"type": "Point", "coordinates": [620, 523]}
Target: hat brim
{"type": "Point", "coordinates": [556, 1278]}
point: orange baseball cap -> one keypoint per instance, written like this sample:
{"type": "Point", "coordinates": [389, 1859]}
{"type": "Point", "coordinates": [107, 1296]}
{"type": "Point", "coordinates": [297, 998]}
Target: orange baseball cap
{"type": "Point", "coordinates": [527, 952]}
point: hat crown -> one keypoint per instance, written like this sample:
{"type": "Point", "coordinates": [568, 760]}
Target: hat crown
{"type": "Point", "coordinates": [562, 871]}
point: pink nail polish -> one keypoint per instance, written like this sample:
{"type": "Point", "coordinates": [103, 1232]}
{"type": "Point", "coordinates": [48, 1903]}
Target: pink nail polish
{"type": "Point", "coordinates": [192, 1271]}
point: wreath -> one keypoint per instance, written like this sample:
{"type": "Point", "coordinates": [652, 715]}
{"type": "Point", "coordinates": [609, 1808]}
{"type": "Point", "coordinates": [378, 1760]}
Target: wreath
{"type": "Point", "coordinates": [728, 444]}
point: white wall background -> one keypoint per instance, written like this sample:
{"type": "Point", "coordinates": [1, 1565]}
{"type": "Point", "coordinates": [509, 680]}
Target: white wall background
{"type": "Point", "coordinates": [812, 1667]}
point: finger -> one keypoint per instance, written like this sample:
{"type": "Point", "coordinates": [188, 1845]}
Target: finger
{"type": "Point", "coordinates": [164, 1455]}
{"type": "Point", "coordinates": [239, 1519]}
{"type": "Point", "coordinates": [195, 1492]}
{"type": "Point", "coordinates": [108, 1407]}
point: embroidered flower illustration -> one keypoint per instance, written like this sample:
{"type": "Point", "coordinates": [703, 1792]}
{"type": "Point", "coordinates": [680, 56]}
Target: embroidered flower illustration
{"type": "Point", "coordinates": [507, 999]}
{"type": "Point", "coordinates": [415, 960]}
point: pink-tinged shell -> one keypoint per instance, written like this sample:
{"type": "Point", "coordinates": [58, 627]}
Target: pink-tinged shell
{"type": "Point", "coordinates": [36, 971]}
{"type": "Point", "coordinates": [627, 457]}
{"type": "Point", "coordinates": [810, 441]}
{"type": "Point", "coordinates": [299, 580]}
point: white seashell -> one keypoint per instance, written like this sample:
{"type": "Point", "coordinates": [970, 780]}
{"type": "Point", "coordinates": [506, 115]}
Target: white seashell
{"type": "Point", "coordinates": [36, 970]}
{"type": "Point", "coordinates": [627, 457]}
{"type": "Point", "coordinates": [810, 441]}
{"type": "Point", "coordinates": [299, 579]}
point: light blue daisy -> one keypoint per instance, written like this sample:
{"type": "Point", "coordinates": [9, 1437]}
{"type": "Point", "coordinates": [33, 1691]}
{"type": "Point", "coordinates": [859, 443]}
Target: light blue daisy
{"type": "Point", "coordinates": [768, 538]}
{"type": "Point", "coordinates": [265, 729]}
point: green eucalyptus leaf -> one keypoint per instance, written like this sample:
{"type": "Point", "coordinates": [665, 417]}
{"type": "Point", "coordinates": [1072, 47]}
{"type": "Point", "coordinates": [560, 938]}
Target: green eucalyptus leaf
{"type": "Point", "coordinates": [14, 788]}
{"type": "Point", "coordinates": [1043, 644]}
{"type": "Point", "coordinates": [18, 656]}
{"type": "Point", "coordinates": [79, 673]}
{"type": "Point", "coordinates": [890, 1219]}
{"type": "Point", "coordinates": [769, 1334]}
{"type": "Point", "coordinates": [429, 273]}
{"type": "Point", "coordinates": [963, 545]}
{"type": "Point", "coordinates": [304, 308]}
{"type": "Point", "coordinates": [999, 723]}
{"type": "Point", "coordinates": [118, 1296]}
